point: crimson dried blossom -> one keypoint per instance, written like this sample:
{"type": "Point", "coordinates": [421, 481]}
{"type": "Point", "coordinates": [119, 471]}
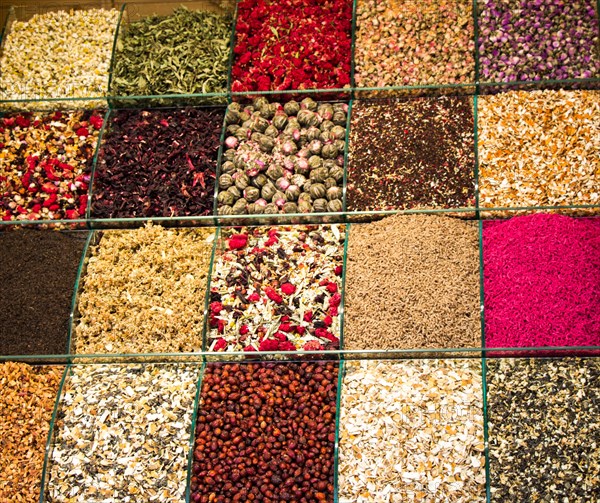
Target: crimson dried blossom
{"type": "Point", "coordinates": [45, 164]}
{"type": "Point", "coordinates": [158, 163]}
{"type": "Point", "coordinates": [299, 44]}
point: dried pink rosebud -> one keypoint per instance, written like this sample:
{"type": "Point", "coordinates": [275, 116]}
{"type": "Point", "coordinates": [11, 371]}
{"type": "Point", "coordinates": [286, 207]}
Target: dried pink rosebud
{"type": "Point", "coordinates": [231, 142]}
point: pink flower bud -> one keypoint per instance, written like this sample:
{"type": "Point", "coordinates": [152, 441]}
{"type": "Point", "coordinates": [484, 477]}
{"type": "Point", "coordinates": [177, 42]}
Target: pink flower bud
{"type": "Point", "coordinates": [231, 142]}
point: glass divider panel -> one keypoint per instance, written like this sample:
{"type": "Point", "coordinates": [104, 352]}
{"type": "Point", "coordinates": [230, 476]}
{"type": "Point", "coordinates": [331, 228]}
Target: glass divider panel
{"type": "Point", "coordinates": [232, 40]}
{"type": "Point", "coordinates": [75, 296]}
{"type": "Point", "coordinates": [49, 441]}
{"type": "Point", "coordinates": [476, 152]}
{"type": "Point", "coordinates": [88, 211]}
{"type": "Point", "coordinates": [344, 274]}
{"type": "Point", "coordinates": [336, 449]}
{"type": "Point", "coordinates": [353, 47]}
{"type": "Point", "coordinates": [122, 11]}
{"type": "Point", "coordinates": [205, 343]}
{"type": "Point", "coordinates": [346, 155]}
{"type": "Point", "coordinates": [188, 491]}
{"type": "Point", "coordinates": [485, 429]}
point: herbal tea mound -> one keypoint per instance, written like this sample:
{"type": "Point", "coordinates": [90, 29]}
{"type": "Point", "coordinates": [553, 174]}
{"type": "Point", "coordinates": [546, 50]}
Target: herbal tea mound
{"type": "Point", "coordinates": [542, 281]}
{"type": "Point", "coordinates": [412, 282]}
{"type": "Point", "coordinates": [144, 292]}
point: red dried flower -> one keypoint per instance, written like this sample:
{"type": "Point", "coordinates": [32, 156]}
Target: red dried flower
{"type": "Point", "coordinates": [333, 310]}
{"type": "Point", "coordinates": [268, 345]}
{"type": "Point", "coordinates": [285, 327]}
{"type": "Point", "coordinates": [249, 348]}
{"type": "Point", "coordinates": [288, 288]}
{"type": "Point", "coordinates": [254, 297]}
{"type": "Point", "coordinates": [96, 121]}
{"type": "Point", "coordinates": [312, 346]}
{"type": "Point", "coordinates": [281, 337]}
{"type": "Point", "coordinates": [328, 320]}
{"type": "Point", "coordinates": [82, 131]}
{"type": "Point", "coordinates": [216, 307]}
{"type": "Point", "coordinates": [221, 344]}
{"type": "Point", "coordinates": [244, 330]}
{"type": "Point", "coordinates": [323, 333]}
{"type": "Point", "coordinates": [332, 287]}
{"type": "Point", "coordinates": [238, 241]}
{"type": "Point", "coordinates": [335, 300]}
{"type": "Point", "coordinates": [300, 330]}
{"type": "Point", "coordinates": [308, 316]}
{"type": "Point", "coordinates": [287, 346]}
{"type": "Point", "coordinates": [273, 295]}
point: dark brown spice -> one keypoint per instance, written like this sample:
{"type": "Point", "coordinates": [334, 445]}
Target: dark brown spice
{"type": "Point", "coordinates": [37, 278]}
{"type": "Point", "coordinates": [158, 163]}
{"type": "Point", "coordinates": [415, 153]}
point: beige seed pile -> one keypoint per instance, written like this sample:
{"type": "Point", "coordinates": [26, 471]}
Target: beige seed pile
{"type": "Point", "coordinates": [539, 148]}
{"type": "Point", "coordinates": [122, 434]}
{"type": "Point", "coordinates": [26, 404]}
{"type": "Point", "coordinates": [412, 282]}
{"type": "Point", "coordinates": [144, 292]}
{"type": "Point", "coordinates": [58, 54]}
{"type": "Point", "coordinates": [412, 431]}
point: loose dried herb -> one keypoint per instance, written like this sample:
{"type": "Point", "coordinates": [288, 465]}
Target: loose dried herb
{"type": "Point", "coordinates": [277, 289]}
{"type": "Point", "coordinates": [37, 277]}
{"type": "Point", "coordinates": [542, 281]}
{"type": "Point", "coordinates": [183, 53]}
{"type": "Point", "coordinates": [45, 164]}
{"type": "Point", "coordinates": [26, 404]}
{"type": "Point", "coordinates": [158, 163]}
{"type": "Point", "coordinates": [416, 153]}
{"type": "Point", "coordinates": [544, 429]}
{"type": "Point", "coordinates": [412, 282]}
{"type": "Point", "coordinates": [144, 291]}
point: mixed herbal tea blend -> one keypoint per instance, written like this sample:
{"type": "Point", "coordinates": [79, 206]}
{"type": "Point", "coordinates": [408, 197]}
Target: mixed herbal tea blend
{"type": "Point", "coordinates": [37, 277]}
{"type": "Point", "coordinates": [183, 53]}
{"type": "Point", "coordinates": [45, 164]}
{"type": "Point", "coordinates": [299, 44]}
{"type": "Point", "coordinates": [58, 55]}
{"type": "Point", "coordinates": [26, 404]}
{"type": "Point", "coordinates": [412, 431]}
{"type": "Point", "coordinates": [415, 153]}
{"type": "Point", "coordinates": [144, 292]}
{"type": "Point", "coordinates": [537, 40]}
{"type": "Point", "coordinates": [122, 433]}
{"type": "Point", "coordinates": [539, 148]}
{"type": "Point", "coordinates": [158, 163]}
{"type": "Point", "coordinates": [544, 429]}
{"type": "Point", "coordinates": [266, 432]}
{"type": "Point", "coordinates": [410, 42]}
{"type": "Point", "coordinates": [283, 158]}
{"type": "Point", "coordinates": [277, 289]}
{"type": "Point", "coordinates": [412, 282]}
{"type": "Point", "coordinates": [542, 281]}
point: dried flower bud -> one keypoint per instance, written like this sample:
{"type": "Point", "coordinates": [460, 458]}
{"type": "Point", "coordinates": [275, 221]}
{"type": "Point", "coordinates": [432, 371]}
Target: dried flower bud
{"type": "Point", "coordinates": [271, 209]}
{"type": "Point", "coordinates": [307, 118]}
{"type": "Point", "coordinates": [330, 182]}
{"type": "Point", "coordinates": [268, 191]}
{"type": "Point", "coordinates": [240, 207]}
{"type": "Point", "coordinates": [228, 167]}
{"type": "Point", "coordinates": [228, 155]}
{"type": "Point", "coordinates": [334, 193]}
{"type": "Point", "coordinates": [309, 104]}
{"type": "Point", "coordinates": [251, 194]}
{"type": "Point", "coordinates": [302, 167]}
{"type": "Point", "coordinates": [325, 111]}
{"type": "Point", "coordinates": [292, 193]}
{"type": "Point", "coordinates": [231, 116]}
{"type": "Point", "coordinates": [225, 181]}
{"type": "Point", "coordinates": [282, 183]}
{"type": "Point", "coordinates": [241, 180]}
{"type": "Point", "coordinates": [291, 107]}
{"type": "Point", "coordinates": [313, 133]}
{"type": "Point", "coordinates": [231, 142]}
{"type": "Point", "coordinates": [338, 132]}
{"type": "Point", "coordinates": [290, 207]}
{"type": "Point", "coordinates": [315, 147]}
{"type": "Point", "coordinates": [315, 162]}
{"type": "Point", "coordinates": [317, 191]}
{"type": "Point", "coordinates": [339, 118]}
{"type": "Point", "coordinates": [271, 131]}
{"type": "Point", "coordinates": [266, 112]}
{"type": "Point", "coordinates": [242, 133]}
{"type": "Point", "coordinates": [278, 196]}
{"type": "Point", "coordinates": [224, 210]}
{"type": "Point", "coordinates": [235, 192]}
{"type": "Point", "coordinates": [280, 120]}
{"type": "Point", "coordinates": [225, 198]}
{"type": "Point", "coordinates": [244, 116]}
{"type": "Point", "coordinates": [274, 172]}
{"type": "Point", "coordinates": [266, 143]}
{"type": "Point", "coordinates": [335, 206]}
{"type": "Point", "coordinates": [326, 125]}
{"type": "Point", "coordinates": [305, 196]}
{"type": "Point", "coordinates": [232, 129]}
{"type": "Point", "coordinates": [320, 205]}
{"type": "Point", "coordinates": [298, 180]}
{"type": "Point", "coordinates": [304, 206]}
{"type": "Point", "coordinates": [289, 147]}
{"type": "Point", "coordinates": [259, 102]}
{"type": "Point", "coordinates": [330, 151]}
{"type": "Point", "coordinates": [259, 124]}
{"type": "Point", "coordinates": [303, 153]}
{"type": "Point", "coordinates": [259, 181]}
{"type": "Point", "coordinates": [319, 175]}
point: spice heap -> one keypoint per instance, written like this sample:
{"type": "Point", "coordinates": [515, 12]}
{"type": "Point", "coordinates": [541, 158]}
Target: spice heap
{"type": "Point", "coordinates": [158, 163]}
{"type": "Point", "coordinates": [299, 44]}
{"type": "Point", "coordinates": [539, 148]}
{"type": "Point", "coordinates": [183, 53]}
{"type": "Point", "coordinates": [45, 164]}
{"type": "Point", "coordinates": [26, 404]}
{"type": "Point", "coordinates": [277, 289]}
{"type": "Point", "coordinates": [403, 43]}
{"type": "Point", "coordinates": [412, 282]}
{"type": "Point", "coordinates": [144, 292]}
{"type": "Point", "coordinates": [58, 54]}
{"type": "Point", "coordinates": [412, 431]}
{"type": "Point", "coordinates": [411, 154]}
{"type": "Point", "coordinates": [543, 429]}
{"type": "Point", "coordinates": [36, 287]}
{"type": "Point", "coordinates": [538, 40]}
{"type": "Point", "coordinates": [266, 432]}
{"type": "Point", "coordinates": [541, 281]}
{"type": "Point", "coordinates": [283, 159]}
{"type": "Point", "coordinates": [123, 434]}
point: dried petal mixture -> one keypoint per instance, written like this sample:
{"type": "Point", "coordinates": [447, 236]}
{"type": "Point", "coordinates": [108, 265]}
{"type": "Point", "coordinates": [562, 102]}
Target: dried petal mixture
{"type": "Point", "coordinates": [122, 434]}
{"type": "Point", "coordinates": [412, 431]}
{"type": "Point", "coordinates": [277, 289]}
